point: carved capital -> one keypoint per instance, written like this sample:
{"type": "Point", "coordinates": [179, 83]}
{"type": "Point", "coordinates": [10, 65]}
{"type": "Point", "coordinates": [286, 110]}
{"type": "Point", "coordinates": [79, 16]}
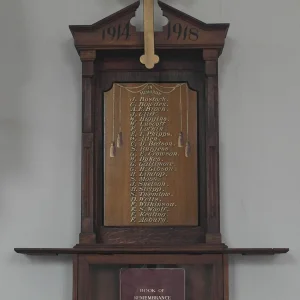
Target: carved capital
{"type": "Point", "coordinates": [210, 57]}
{"type": "Point", "coordinates": [88, 55]}
{"type": "Point", "coordinates": [210, 54]}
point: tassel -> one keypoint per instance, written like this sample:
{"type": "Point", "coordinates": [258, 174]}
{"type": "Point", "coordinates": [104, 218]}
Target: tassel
{"type": "Point", "coordinates": [187, 149]}
{"type": "Point", "coordinates": [112, 151]}
{"type": "Point", "coordinates": [120, 140]}
{"type": "Point", "coordinates": [180, 139]}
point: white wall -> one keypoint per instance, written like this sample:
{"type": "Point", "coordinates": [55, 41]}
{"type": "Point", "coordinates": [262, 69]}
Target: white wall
{"type": "Point", "coordinates": [40, 140]}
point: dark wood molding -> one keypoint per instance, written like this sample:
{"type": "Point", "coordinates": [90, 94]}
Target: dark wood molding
{"type": "Point", "coordinates": [108, 250]}
{"type": "Point", "coordinates": [149, 235]}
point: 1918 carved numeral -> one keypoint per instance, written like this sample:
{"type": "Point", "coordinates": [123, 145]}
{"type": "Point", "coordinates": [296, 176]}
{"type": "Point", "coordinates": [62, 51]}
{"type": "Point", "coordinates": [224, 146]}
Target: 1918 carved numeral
{"type": "Point", "coordinates": [182, 32]}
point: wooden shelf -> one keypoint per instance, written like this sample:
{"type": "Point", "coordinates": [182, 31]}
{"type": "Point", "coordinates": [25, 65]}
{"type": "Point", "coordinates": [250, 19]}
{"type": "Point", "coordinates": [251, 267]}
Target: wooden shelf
{"type": "Point", "coordinates": [110, 250]}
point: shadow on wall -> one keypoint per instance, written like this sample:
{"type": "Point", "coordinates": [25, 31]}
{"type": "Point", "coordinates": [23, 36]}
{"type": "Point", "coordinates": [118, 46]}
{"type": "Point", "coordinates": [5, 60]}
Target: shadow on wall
{"type": "Point", "coordinates": [15, 72]}
{"type": "Point", "coordinates": [259, 263]}
{"type": "Point", "coordinates": [225, 58]}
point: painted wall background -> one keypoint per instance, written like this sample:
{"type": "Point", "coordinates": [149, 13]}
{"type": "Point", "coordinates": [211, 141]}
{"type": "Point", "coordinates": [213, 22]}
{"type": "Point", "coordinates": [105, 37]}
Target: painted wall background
{"type": "Point", "coordinates": [40, 115]}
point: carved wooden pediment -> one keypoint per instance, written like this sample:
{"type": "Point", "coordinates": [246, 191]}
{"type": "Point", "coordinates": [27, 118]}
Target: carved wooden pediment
{"type": "Point", "coordinates": [116, 32]}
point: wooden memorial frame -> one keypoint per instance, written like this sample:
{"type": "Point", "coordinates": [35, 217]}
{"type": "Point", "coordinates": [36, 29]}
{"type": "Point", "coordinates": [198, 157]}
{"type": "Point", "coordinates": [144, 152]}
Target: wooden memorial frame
{"type": "Point", "coordinates": [101, 65]}
{"type": "Point", "coordinates": [110, 50]}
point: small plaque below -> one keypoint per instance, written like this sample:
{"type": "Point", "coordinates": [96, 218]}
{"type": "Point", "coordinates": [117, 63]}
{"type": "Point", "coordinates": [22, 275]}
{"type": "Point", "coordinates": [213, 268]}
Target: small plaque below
{"type": "Point", "coordinates": [152, 284]}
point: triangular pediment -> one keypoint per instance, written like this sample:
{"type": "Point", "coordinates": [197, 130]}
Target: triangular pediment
{"type": "Point", "coordinates": [125, 14]}
{"type": "Point", "coordinates": [172, 13]}
{"type": "Point", "coordinates": [182, 31]}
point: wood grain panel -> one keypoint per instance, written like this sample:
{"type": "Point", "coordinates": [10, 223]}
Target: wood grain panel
{"type": "Point", "coordinates": [150, 180]}
{"type": "Point", "coordinates": [152, 235]}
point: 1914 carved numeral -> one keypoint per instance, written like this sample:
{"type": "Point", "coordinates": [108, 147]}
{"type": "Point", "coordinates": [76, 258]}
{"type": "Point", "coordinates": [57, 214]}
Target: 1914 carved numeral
{"type": "Point", "coordinates": [116, 32]}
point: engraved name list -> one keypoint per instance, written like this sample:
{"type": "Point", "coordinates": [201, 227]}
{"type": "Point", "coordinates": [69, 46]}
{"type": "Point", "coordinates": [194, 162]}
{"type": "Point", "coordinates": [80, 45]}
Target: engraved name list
{"type": "Point", "coordinates": [151, 145]}
{"type": "Point", "coordinates": [151, 161]}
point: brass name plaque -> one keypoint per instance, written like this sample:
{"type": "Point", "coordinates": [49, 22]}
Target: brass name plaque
{"type": "Point", "coordinates": [150, 176]}
{"type": "Point", "coordinates": [152, 284]}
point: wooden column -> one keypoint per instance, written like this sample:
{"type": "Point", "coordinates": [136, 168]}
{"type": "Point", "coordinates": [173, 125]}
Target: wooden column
{"type": "Point", "coordinates": [87, 234]}
{"type": "Point", "coordinates": [213, 234]}
{"type": "Point", "coordinates": [225, 277]}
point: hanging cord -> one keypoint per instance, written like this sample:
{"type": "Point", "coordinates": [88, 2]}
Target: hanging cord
{"type": "Point", "coordinates": [112, 151]}
{"type": "Point", "coordinates": [120, 135]}
{"type": "Point", "coordinates": [180, 136]}
{"type": "Point", "coordinates": [187, 145]}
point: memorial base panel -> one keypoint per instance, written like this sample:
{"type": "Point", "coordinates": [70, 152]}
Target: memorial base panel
{"type": "Point", "coordinates": [99, 276]}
